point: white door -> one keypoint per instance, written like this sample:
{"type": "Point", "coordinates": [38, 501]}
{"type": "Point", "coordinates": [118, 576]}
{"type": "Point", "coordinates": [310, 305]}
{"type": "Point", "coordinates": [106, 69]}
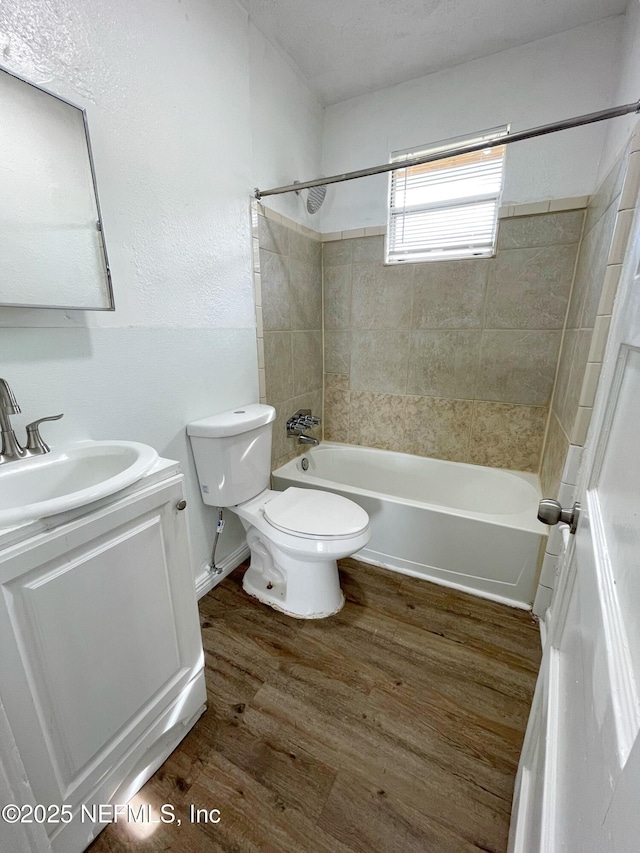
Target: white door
{"type": "Point", "coordinates": [578, 786]}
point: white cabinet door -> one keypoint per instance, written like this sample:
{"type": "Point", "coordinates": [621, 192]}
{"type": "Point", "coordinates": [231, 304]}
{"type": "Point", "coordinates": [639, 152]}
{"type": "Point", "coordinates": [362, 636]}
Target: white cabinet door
{"type": "Point", "coordinates": [98, 633]}
{"type": "Point", "coordinates": [583, 793]}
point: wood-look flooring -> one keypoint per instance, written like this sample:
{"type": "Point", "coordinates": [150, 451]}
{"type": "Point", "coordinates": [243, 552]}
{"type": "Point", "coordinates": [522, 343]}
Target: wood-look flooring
{"type": "Point", "coordinates": [395, 725]}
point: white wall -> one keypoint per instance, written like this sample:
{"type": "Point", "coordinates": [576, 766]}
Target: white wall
{"type": "Point", "coordinates": [627, 91]}
{"type": "Point", "coordinates": [167, 90]}
{"type": "Point", "coordinates": [564, 75]}
{"type": "Point", "coordinates": [287, 129]}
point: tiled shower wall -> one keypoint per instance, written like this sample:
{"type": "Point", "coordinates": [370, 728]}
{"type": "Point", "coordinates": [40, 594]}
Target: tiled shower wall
{"type": "Point", "coordinates": [288, 273]}
{"type": "Point", "coordinates": [607, 227]}
{"type": "Point", "coordinates": [450, 359]}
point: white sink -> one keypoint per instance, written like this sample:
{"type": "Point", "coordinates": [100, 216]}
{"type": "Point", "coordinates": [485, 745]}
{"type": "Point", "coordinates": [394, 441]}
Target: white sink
{"type": "Point", "coordinates": [68, 478]}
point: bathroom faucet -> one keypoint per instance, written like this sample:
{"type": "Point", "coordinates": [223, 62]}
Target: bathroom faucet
{"type": "Point", "coordinates": [301, 421]}
{"type": "Point", "coordinates": [11, 449]}
{"type": "Point", "coordinates": [308, 439]}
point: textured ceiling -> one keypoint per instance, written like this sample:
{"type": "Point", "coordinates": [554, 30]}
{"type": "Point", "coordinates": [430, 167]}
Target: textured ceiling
{"type": "Point", "coordinates": [345, 48]}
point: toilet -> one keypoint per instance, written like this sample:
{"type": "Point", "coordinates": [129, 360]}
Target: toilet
{"type": "Point", "coordinates": [295, 536]}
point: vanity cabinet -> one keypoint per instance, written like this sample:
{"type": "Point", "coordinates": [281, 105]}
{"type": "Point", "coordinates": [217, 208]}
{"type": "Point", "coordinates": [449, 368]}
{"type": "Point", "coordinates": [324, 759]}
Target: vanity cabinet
{"type": "Point", "coordinates": [101, 662]}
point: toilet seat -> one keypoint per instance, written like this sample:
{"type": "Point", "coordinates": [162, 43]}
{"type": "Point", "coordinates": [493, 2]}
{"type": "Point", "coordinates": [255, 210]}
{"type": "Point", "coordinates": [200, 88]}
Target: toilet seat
{"type": "Point", "coordinates": [313, 514]}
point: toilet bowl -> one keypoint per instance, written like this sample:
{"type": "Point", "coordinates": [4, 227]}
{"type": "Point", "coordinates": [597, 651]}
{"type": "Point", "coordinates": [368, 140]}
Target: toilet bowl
{"type": "Point", "coordinates": [296, 536]}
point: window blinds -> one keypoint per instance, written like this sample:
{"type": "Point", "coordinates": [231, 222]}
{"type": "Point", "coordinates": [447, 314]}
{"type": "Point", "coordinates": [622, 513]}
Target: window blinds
{"type": "Point", "coordinates": [447, 208]}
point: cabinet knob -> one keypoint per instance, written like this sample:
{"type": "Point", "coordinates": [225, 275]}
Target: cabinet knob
{"type": "Point", "coordinates": [181, 504]}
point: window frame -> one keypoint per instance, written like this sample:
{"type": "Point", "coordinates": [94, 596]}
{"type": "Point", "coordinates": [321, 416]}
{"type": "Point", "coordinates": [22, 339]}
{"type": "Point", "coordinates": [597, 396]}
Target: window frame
{"type": "Point", "coordinates": [391, 256]}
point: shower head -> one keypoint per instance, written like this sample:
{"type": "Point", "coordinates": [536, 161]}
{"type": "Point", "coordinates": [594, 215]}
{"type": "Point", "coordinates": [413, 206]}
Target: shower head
{"type": "Point", "coordinates": [315, 197]}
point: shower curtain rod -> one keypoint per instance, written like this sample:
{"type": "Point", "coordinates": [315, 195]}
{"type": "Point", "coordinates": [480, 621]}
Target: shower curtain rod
{"type": "Point", "coordinates": [568, 123]}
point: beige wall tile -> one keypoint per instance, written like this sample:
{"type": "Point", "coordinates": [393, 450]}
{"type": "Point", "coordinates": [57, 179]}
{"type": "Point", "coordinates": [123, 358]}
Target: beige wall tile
{"type": "Point", "coordinates": [274, 282]}
{"type": "Point", "coordinates": [581, 425]}
{"type": "Point", "coordinates": [531, 209]}
{"type": "Point", "coordinates": [449, 294]}
{"type": "Point", "coordinates": [610, 288]}
{"type": "Point", "coordinates": [443, 363]}
{"type": "Point", "coordinates": [574, 386]}
{"type": "Point", "coordinates": [278, 463]}
{"type": "Point", "coordinates": [278, 363]}
{"type": "Point", "coordinates": [438, 427]}
{"type": "Point", "coordinates": [336, 382]}
{"type": "Point", "coordinates": [291, 292]}
{"type": "Point", "coordinates": [553, 458]}
{"type": "Point", "coordinates": [305, 295]}
{"type": "Point", "coordinates": [337, 351]}
{"type": "Point", "coordinates": [273, 235]}
{"type": "Point", "coordinates": [379, 361]}
{"type": "Point", "coordinates": [546, 230]}
{"type": "Point", "coordinates": [381, 296]}
{"type": "Point", "coordinates": [590, 272]}
{"type": "Point", "coordinates": [568, 203]}
{"type": "Point", "coordinates": [281, 444]}
{"type": "Point", "coordinates": [517, 366]}
{"type": "Point", "coordinates": [511, 310]}
{"type": "Point", "coordinates": [307, 362]}
{"type": "Point", "coordinates": [367, 250]}
{"type": "Point", "coordinates": [257, 289]}
{"type": "Point", "coordinates": [336, 407]}
{"type": "Point", "coordinates": [597, 260]}
{"type": "Point", "coordinates": [607, 193]}
{"type": "Point", "coordinates": [337, 297]}
{"type": "Point", "coordinates": [564, 372]}
{"type": "Point", "coordinates": [377, 420]}
{"type": "Point", "coordinates": [631, 184]}
{"type": "Point", "coordinates": [599, 339]}
{"type": "Point", "coordinates": [303, 248]}
{"type": "Point", "coordinates": [336, 253]}
{"type": "Point", "coordinates": [621, 232]}
{"type": "Point", "coordinates": [590, 384]}
{"type": "Point", "coordinates": [507, 436]}
{"type": "Point", "coordinates": [529, 288]}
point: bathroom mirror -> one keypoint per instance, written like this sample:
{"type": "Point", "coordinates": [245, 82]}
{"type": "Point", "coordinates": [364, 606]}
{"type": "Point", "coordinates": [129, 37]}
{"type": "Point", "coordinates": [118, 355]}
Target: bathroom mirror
{"type": "Point", "coordinates": [52, 252]}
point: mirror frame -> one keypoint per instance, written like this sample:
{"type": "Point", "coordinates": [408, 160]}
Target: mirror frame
{"type": "Point", "coordinates": [99, 226]}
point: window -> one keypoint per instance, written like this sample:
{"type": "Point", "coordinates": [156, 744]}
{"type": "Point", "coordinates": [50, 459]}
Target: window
{"type": "Point", "coordinates": [447, 208]}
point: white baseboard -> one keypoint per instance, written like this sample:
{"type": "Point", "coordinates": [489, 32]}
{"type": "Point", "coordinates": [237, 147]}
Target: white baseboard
{"type": "Point", "coordinates": [206, 581]}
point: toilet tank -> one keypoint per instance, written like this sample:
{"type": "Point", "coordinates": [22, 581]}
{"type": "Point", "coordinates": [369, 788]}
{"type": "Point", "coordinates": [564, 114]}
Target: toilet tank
{"type": "Point", "coordinates": [232, 452]}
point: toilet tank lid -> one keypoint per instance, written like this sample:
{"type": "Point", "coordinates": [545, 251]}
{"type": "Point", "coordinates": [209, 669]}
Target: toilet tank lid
{"type": "Point", "coordinates": [234, 422]}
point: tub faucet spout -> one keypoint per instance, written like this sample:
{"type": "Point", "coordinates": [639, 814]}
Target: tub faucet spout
{"type": "Point", "coordinates": [308, 439]}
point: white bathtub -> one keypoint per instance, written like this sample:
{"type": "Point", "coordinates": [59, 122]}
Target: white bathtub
{"type": "Point", "coordinates": [465, 526]}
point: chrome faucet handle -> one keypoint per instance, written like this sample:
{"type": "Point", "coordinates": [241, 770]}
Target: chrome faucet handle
{"type": "Point", "coordinates": [35, 444]}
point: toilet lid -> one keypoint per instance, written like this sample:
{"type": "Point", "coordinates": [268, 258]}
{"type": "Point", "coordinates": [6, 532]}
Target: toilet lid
{"type": "Point", "coordinates": [310, 512]}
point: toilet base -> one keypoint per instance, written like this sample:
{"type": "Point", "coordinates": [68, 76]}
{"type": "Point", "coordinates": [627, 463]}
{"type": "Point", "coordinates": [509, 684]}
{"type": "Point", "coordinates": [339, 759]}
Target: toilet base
{"type": "Point", "coordinates": [263, 598]}
{"type": "Point", "coordinates": [304, 589]}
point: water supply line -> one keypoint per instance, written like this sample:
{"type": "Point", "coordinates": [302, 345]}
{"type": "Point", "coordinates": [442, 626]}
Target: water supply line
{"type": "Point", "coordinates": [213, 569]}
{"type": "Point", "coordinates": [542, 130]}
